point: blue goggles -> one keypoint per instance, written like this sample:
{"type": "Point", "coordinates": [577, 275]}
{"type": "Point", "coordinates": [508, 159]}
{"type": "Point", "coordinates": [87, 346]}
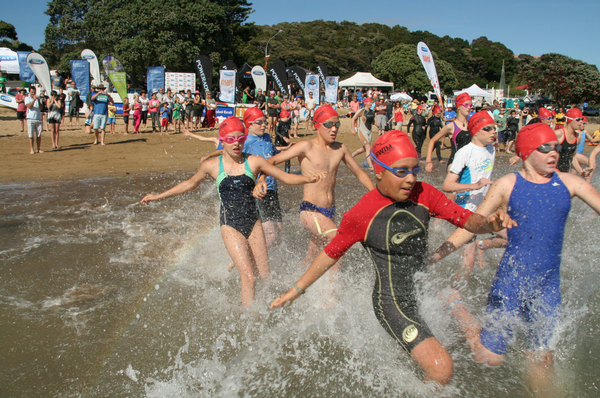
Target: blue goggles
{"type": "Point", "coordinates": [400, 172]}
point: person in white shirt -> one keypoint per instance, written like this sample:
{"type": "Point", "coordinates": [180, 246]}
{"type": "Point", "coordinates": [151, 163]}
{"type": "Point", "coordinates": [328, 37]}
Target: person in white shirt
{"type": "Point", "coordinates": [34, 120]}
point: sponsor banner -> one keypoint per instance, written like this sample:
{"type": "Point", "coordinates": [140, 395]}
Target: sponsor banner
{"type": "Point", "coordinates": [39, 66]}
{"type": "Point", "coordinates": [322, 71]}
{"type": "Point", "coordinates": [89, 56]}
{"type": "Point", "coordinates": [227, 86]}
{"type": "Point", "coordinates": [9, 62]}
{"type": "Point", "coordinates": [204, 70]}
{"type": "Point", "coordinates": [299, 75]}
{"type": "Point", "coordinates": [312, 86]}
{"type": "Point", "coordinates": [155, 79]}
{"type": "Point", "coordinates": [8, 100]}
{"type": "Point", "coordinates": [223, 112]}
{"type": "Point", "coordinates": [279, 75]}
{"type": "Point", "coordinates": [260, 78]}
{"type": "Point", "coordinates": [116, 73]}
{"type": "Point", "coordinates": [331, 89]}
{"type": "Point", "coordinates": [177, 81]}
{"type": "Point", "coordinates": [80, 73]}
{"type": "Point", "coordinates": [427, 61]}
{"type": "Point", "coordinates": [25, 72]}
{"type": "Point", "coordinates": [229, 65]}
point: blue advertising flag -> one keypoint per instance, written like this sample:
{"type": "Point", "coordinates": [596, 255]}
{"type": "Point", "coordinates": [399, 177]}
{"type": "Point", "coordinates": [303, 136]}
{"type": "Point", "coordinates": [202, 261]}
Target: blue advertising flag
{"type": "Point", "coordinates": [155, 79]}
{"type": "Point", "coordinates": [80, 73]}
{"type": "Point", "coordinates": [25, 72]}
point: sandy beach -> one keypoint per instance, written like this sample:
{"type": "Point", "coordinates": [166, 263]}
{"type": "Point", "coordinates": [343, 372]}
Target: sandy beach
{"type": "Point", "coordinates": [132, 154]}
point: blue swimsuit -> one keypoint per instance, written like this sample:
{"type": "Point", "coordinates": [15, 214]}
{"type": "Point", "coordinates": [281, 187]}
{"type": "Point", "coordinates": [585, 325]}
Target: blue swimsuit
{"type": "Point", "coordinates": [238, 206]}
{"type": "Point", "coordinates": [526, 288]}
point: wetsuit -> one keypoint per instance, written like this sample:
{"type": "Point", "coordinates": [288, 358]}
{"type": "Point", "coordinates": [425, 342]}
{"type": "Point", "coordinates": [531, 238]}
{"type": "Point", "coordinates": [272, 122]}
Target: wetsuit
{"type": "Point", "coordinates": [418, 133]}
{"type": "Point", "coordinates": [365, 128]}
{"type": "Point", "coordinates": [460, 138]}
{"type": "Point", "coordinates": [567, 151]}
{"type": "Point", "coordinates": [395, 236]}
{"type": "Point", "coordinates": [238, 206]}
{"type": "Point", "coordinates": [526, 287]}
{"type": "Point", "coordinates": [435, 124]}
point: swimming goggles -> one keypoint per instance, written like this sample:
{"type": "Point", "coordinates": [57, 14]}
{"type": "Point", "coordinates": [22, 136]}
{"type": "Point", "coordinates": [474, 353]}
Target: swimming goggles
{"type": "Point", "coordinates": [259, 122]}
{"type": "Point", "coordinates": [488, 128]}
{"type": "Point", "coordinates": [397, 171]}
{"type": "Point", "coordinates": [466, 105]}
{"type": "Point", "coordinates": [230, 140]}
{"type": "Point", "coordinates": [329, 125]}
{"type": "Point", "coordinates": [547, 148]}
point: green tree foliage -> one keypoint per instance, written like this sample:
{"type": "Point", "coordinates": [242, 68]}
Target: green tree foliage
{"type": "Point", "coordinates": [8, 31]}
{"type": "Point", "coordinates": [142, 33]}
{"type": "Point", "coordinates": [401, 65]}
{"type": "Point", "coordinates": [569, 81]}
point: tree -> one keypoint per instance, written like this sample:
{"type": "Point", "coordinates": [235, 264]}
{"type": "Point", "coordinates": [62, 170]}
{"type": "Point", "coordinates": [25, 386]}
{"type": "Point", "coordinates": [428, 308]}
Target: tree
{"type": "Point", "coordinates": [401, 65]}
{"type": "Point", "coordinates": [8, 31]}
{"type": "Point", "coordinates": [142, 33]}
{"type": "Point", "coordinates": [569, 81]}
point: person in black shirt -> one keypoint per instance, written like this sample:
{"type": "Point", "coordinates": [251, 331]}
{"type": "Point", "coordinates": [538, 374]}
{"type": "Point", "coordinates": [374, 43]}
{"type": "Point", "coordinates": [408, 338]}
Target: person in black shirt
{"type": "Point", "coordinates": [435, 124]}
{"type": "Point", "coordinates": [260, 100]}
{"type": "Point", "coordinates": [418, 133]}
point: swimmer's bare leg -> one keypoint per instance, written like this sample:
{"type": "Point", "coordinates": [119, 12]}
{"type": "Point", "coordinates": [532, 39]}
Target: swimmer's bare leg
{"type": "Point", "coordinates": [239, 250]}
{"type": "Point", "coordinates": [540, 374]}
{"type": "Point", "coordinates": [273, 231]}
{"type": "Point", "coordinates": [260, 254]}
{"type": "Point", "coordinates": [470, 328]}
{"type": "Point", "coordinates": [434, 359]}
{"type": "Point", "coordinates": [467, 262]}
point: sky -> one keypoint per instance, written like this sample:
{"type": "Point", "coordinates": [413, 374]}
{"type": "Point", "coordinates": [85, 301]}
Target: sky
{"type": "Point", "coordinates": [531, 27]}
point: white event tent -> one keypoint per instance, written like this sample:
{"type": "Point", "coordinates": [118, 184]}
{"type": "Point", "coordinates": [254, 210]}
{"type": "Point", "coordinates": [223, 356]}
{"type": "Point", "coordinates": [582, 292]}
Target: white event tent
{"type": "Point", "coordinates": [363, 79]}
{"type": "Point", "coordinates": [475, 91]}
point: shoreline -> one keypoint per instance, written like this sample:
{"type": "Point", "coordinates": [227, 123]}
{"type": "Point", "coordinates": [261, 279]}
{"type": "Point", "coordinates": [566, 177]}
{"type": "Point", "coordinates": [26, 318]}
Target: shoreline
{"type": "Point", "coordinates": [124, 155]}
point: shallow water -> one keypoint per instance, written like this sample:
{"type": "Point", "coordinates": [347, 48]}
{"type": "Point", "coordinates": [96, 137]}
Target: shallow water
{"type": "Point", "coordinates": [102, 297]}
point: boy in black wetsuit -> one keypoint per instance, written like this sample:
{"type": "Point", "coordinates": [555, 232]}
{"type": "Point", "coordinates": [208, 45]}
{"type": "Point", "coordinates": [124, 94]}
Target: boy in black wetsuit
{"type": "Point", "coordinates": [391, 222]}
{"type": "Point", "coordinates": [435, 124]}
{"type": "Point", "coordinates": [418, 133]}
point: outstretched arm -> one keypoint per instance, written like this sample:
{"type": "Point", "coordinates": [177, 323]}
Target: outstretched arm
{"type": "Point", "coordinates": [291, 179]}
{"type": "Point", "coordinates": [451, 184]}
{"type": "Point", "coordinates": [318, 267]}
{"type": "Point", "coordinates": [356, 170]}
{"type": "Point", "coordinates": [291, 153]}
{"type": "Point", "coordinates": [185, 186]}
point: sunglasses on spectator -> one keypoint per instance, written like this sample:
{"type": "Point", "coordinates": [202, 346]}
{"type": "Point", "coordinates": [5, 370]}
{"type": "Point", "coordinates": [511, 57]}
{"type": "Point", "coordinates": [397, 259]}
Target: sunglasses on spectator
{"type": "Point", "coordinates": [231, 140]}
{"type": "Point", "coordinates": [547, 148]}
{"type": "Point", "coordinates": [329, 125]}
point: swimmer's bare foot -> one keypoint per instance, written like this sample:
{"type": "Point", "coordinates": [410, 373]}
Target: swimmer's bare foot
{"type": "Point", "coordinates": [230, 266]}
{"type": "Point", "coordinates": [95, 143]}
{"type": "Point", "coordinates": [32, 153]}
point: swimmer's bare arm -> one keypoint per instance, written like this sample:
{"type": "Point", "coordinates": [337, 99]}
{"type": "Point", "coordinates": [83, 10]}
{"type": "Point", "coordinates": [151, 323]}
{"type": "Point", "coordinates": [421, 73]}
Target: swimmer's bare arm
{"type": "Point", "coordinates": [356, 170]}
{"type": "Point", "coordinates": [579, 187]}
{"type": "Point", "coordinates": [593, 155]}
{"type": "Point", "coordinates": [490, 216]}
{"type": "Point", "coordinates": [265, 167]}
{"type": "Point", "coordinates": [354, 121]}
{"type": "Point", "coordinates": [451, 184]}
{"type": "Point", "coordinates": [447, 129]}
{"type": "Point", "coordinates": [297, 150]}
{"type": "Point", "coordinates": [318, 267]}
{"type": "Point", "coordinates": [206, 169]}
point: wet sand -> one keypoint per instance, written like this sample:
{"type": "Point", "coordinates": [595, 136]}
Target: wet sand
{"type": "Point", "coordinates": [123, 155]}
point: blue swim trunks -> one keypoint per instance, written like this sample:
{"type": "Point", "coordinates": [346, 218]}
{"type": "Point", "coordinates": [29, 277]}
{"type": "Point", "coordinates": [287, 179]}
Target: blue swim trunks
{"type": "Point", "coordinates": [307, 206]}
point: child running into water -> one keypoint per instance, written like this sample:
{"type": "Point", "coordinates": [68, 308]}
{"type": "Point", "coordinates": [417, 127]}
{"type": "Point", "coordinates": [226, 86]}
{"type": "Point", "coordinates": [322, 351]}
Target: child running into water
{"type": "Point", "coordinates": [324, 155]}
{"type": "Point", "coordinates": [392, 224]}
{"type": "Point", "coordinates": [525, 293]}
{"type": "Point", "coordinates": [241, 227]}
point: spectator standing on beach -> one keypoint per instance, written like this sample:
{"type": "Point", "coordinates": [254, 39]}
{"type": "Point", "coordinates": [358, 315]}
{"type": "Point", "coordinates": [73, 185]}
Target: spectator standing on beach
{"type": "Point", "coordinates": [34, 120]}
{"type": "Point", "coordinates": [2, 83]}
{"type": "Point", "coordinates": [57, 81]}
{"type": "Point", "coordinates": [310, 104]}
{"type": "Point", "coordinates": [153, 106]}
{"type": "Point", "coordinates": [211, 110]}
{"type": "Point", "coordinates": [100, 101]}
{"type": "Point", "coordinates": [21, 108]}
{"type": "Point", "coordinates": [144, 101]}
{"type": "Point", "coordinates": [260, 100]}
{"type": "Point", "coordinates": [54, 105]}
{"type": "Point", "coordinates": [380, 114]}
{"type": "Point", "coordinates": [74, 103]}
{"type": "Point", "coordinates": [126, 111]}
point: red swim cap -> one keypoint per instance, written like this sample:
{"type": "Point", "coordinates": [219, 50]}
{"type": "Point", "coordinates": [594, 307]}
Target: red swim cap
{"type": "Point", "coordinates": [391, 147]}
{"type": "Point", "coordinates": [462, 98]}
{"type": "Point", "coordinates": [367, 100]}
{"type": "Point", "coordinates": [283, 114]}
{"type": "Point", "coordinates": [252, 114]}
{"type": "Point", "coordinates": [479, 120]}
{"type": "Point", "coordinates": [544, 113]}
{"type": "Point", "coordinates": [531, 137]}
{"type": "Point", "coordinates": [436, 109]}
{"type": "Point", "coordinates": [230, 125]}
{"type": "Point", "coordinates": [573, 114]}
{"type": "Point", "coordinates": [323, 113]}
